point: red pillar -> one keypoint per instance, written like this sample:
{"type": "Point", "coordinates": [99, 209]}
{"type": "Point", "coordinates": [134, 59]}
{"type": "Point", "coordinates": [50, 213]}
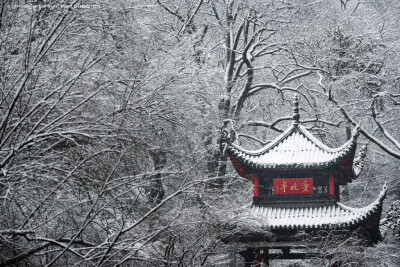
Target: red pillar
{"type": "Point", "coordinates": [256, 186]}
{"type": "Point", "coordinates": [331, 184]}
{"type": "Point", "coordinates": [254, 177]}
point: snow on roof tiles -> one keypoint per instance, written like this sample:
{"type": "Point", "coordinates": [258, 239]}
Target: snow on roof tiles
{"type": "Point", "coordinates": [327, 217]}
{"type": "Point", "coordinates": [295, 148]}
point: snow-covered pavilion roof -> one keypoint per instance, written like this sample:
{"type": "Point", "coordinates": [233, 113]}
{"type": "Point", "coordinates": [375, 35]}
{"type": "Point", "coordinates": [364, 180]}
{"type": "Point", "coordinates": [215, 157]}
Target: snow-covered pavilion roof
{"type": "Point", "coordinates": [333, 216]}
{"type": "Point", "coordinates": [295, 148]}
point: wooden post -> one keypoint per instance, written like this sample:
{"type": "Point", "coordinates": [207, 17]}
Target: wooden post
{"type": "Point", "coordinates": [233, 256]}
{"type": "Point", "coordinates": [257, 258]}
{"type": "Point", "coordinates": [265, 257]}
{"type": "Point", "coordinates": [248, 256]}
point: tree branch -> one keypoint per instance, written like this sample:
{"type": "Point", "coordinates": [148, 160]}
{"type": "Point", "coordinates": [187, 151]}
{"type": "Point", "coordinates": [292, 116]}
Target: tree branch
{"type": "Point", "coordinates": [189, 20]}
{"type": "Point", "coordinates": [15, 232]}
{"type": "Point", "coordinates": [254, 138]}
{"type": "Point", "coordinates": [367, 134]}
{"type": "Point", "coordinates": [268, 125]}
{"type": "Point", "coordinates": [175, 13]}
{"type": "Point", "coordinates": [24, 255]}
{"type": "Point", "coordinates": [384, 131]}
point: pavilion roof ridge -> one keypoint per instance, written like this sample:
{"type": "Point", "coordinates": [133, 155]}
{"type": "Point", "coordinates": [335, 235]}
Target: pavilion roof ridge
{"type": "Point", "coordinates": [294, 148]}
{"type": "Point", "coordinates": [301, 129]}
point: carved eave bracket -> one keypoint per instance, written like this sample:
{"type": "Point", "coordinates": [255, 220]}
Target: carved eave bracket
{"type": "Point", "coordinates": [356, 132]}
{"type": "Point", "coordinates": [228, 136]}
{"type": "Point", "coordinates": [359, 161]}
{"type": "Point", "coordinates": [383, 192]}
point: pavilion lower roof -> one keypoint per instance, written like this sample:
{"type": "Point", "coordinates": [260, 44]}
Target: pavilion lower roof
{"type": "Point", "coordinates": [334, 216]}
{"type": "Point", "coordinates": [295, 148]}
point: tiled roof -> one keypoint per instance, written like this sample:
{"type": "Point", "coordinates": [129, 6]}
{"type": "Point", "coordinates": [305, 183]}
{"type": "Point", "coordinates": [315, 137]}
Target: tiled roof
{"type": "Point", "coordinates": [295, 148]}
{"type": "Point", "coordinates": [335, 216]}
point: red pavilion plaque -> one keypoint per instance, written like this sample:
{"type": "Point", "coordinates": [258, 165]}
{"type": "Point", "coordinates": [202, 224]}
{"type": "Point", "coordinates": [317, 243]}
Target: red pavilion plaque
{"type": "Point", "coordinates": [293, 186]}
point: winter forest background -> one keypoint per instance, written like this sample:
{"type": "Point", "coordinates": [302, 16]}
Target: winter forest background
{"type": "Point", "coordinates": [111, 113]}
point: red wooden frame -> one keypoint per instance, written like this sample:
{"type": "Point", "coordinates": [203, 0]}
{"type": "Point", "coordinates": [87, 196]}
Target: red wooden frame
{"type": "Point", "coordinates": [254, 177]}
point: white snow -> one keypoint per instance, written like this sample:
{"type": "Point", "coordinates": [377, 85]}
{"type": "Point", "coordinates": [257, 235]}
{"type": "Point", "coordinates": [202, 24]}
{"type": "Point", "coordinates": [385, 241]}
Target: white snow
{"type": "Point", "coordinates": [293, 146]}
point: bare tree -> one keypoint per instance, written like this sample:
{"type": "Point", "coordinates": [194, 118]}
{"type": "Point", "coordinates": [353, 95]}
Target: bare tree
{"type": "Point", "coordinates": [80, 124]}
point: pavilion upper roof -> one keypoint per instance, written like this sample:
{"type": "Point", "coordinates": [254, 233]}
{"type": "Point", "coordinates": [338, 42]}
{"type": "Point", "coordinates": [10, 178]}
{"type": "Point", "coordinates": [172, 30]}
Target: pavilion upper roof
{"type": "Point", "coordinates": [295, 148]}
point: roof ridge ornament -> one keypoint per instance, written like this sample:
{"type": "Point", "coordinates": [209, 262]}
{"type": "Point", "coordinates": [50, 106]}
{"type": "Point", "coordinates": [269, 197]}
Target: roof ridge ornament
{"type": "Point", "coordinates": [383, 192]}
{"type": "Point", "coordinates": [296, 115]}
{"type": "Point", "coordinates": [227, 136]}
{"type": "Point", "coordinates": [359, 161]}
{"type": "Point", "coordinates": [356, 131]}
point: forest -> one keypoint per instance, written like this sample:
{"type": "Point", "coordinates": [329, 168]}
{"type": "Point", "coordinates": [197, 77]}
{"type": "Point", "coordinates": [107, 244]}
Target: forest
{"type": "Point", "coordinates": [111, 118]}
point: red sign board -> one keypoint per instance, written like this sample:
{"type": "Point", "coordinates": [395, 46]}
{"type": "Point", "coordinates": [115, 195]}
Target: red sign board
{"type": "Point", "coordinates": [293, 186]}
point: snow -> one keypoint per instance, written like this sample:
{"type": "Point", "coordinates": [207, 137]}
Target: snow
{"type": "Point", "coordinates": [295, 145]}
{"type": "Point", "coordinates": [332, 216]}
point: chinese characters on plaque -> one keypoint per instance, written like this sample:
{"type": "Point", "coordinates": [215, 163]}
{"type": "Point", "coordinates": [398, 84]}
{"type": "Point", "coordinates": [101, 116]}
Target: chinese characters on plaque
{"type": "Point", "coordinates": [293, 186]}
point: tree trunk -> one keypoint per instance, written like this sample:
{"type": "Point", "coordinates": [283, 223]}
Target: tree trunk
{"type": "Point", "coordinates": [156, 191]}
{"type": "Point", "coordinates": [345, 194]}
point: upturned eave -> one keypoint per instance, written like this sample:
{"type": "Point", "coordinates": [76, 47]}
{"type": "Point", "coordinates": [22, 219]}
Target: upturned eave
{"type": "Point", "coordinates": [330, 217]}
